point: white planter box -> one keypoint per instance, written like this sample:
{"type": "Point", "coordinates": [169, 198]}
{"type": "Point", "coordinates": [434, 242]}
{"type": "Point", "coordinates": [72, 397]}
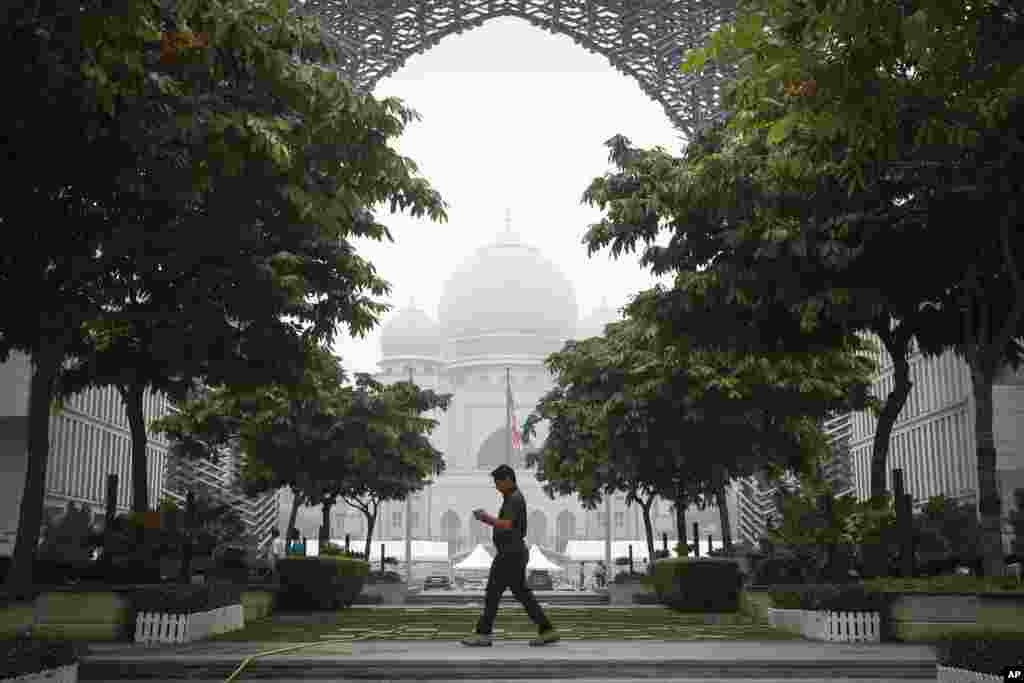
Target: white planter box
{"type": "Point", "coordinates": [63, 674]}
{"type": "Point", "coordinates": [949, 674]}
{"type": "Point", "coordinates": [158, 627]}
{"type": "Point", "coordinates": [831, 627]}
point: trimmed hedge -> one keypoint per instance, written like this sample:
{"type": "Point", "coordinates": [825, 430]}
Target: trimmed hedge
{"type": "Point", "coordinates": [829, 597]}
{"type": "Point", "coordinates": [378, 576]}
{"type": "Point", "coordinates": [23, 656]}
{"type": "Point", "coordinates": [320, 582]}
{"type": "Point", "coordinates": [986, 651]}
{"type": "Point", "coordinates": [186, 599]}
{"type": "Point", "coordinates": [698, 585]}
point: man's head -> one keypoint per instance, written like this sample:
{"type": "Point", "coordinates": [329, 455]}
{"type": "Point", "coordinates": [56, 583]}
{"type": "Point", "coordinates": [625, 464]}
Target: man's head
{"type": "Point", "coordinates": [504, 478]}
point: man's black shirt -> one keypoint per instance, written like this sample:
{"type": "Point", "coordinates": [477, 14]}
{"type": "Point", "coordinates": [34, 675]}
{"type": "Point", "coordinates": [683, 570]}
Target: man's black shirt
{"type": "Point", "coordinates": [513, 508]}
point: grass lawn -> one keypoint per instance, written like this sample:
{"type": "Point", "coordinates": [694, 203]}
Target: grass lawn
{"type": "Point", "coordinates": [453, 623]}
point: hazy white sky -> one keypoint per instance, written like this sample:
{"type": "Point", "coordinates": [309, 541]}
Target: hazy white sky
{"type": "Point", "coordinates": [512, 117]}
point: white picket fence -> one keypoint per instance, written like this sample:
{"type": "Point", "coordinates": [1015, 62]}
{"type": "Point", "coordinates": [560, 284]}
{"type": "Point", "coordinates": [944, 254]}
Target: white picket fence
{"type": "Point", "coordinates": [832, 627]}
{"type": "Point", "coordinates": [159, 627]}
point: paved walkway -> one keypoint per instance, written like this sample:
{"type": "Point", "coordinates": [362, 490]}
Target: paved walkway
{"type": "Point", "coordinates": [447, 660]}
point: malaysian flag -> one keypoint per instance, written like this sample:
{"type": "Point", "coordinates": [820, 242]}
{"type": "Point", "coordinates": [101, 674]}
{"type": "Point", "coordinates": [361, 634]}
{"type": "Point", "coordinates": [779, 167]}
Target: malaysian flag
{"type": "Point", "coordinates": [510, 404]}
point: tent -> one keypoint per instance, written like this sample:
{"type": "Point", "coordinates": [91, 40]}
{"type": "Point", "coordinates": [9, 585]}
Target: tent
{"type": "Point", "coordinates": [539, 561]}
{"type": "Point", "coordinates": [422, 551]}
{"type": "Point", "coordinates": [478, 559]}
{"type": "Point", "coordinates": [593, 551]}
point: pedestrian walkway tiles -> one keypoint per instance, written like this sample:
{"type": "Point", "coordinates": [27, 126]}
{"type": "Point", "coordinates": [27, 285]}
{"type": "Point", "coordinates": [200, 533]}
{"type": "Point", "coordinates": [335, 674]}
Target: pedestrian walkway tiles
{"type": "Point", "coordinates": [446, 623]}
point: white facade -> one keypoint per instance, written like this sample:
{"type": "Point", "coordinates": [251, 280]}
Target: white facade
{"type": "Point", "coordinates": [89, 439]}
{"type": "Point", "coordinates": [933, 438]}
{"type": "Point", "coordinates": [506, 308]}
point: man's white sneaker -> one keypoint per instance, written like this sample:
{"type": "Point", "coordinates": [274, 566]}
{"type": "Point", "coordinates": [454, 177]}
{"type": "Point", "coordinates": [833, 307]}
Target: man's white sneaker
{"type": "Point", "coordinates": [478, 640]}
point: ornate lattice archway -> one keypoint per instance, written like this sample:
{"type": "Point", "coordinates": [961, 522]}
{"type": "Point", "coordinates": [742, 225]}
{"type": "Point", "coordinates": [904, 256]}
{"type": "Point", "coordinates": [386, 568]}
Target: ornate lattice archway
{"type": "Point", "coordinates": [643, 39]}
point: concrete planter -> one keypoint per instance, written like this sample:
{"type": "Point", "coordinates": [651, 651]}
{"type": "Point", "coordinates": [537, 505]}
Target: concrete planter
{"type": "Point", "coordinates": [948, 674]}
{"type": "Point", "coordinates": [63, 674]}
{"type": "Point", "coordinates": [386, 593]}
{"type": "Point", "coordinates": [922, 616]}
{"type": "Point", "coordinates": [97, 615]}
{"type": "Point", "coordinates": [832, 627]}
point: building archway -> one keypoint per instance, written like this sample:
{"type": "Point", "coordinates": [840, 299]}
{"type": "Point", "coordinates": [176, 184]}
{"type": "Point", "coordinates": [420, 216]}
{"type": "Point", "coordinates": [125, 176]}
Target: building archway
{"type": "Point", "coordinates": [537, 528]}
{"type": "Point", "coordinates": [645, 41]}
{"type": "Point", "coordinates": [566, 529]}
{"type": "Point", "coordinates": [450, 528]}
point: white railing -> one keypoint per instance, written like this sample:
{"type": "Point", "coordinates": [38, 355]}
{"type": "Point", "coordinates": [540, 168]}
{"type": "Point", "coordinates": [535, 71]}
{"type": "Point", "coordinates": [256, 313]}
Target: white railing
{"type": "Point", "coordinates": [832, 627]}
{"type": "Point", "coordinates": [159, 627]}
{"type": "Point", "coordinates": [63, 674]}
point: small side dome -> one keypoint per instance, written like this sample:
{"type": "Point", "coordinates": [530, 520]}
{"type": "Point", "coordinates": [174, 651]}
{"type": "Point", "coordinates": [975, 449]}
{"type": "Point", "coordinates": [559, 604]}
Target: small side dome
{"type": "Point", "coordinates": [593, 324]}
{"type": "Point", "coordinates": [410, 332]}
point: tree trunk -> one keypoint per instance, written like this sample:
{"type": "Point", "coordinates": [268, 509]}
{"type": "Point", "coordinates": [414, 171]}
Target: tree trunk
{"type": "Point", "coordinates": [325, 526]}
{"type": "Point", "coordinates": [649, 529]}
{"type": "Point", "coordinates": [723, 517]}
{"type": "Point", "coordinates": [45, 368]}
{"type": "Point", "coordinates": [371, 521]}
{"type": "Point", "coordinates": [989, 503]}
{"type": "Point", "coordinates": [294, 515]}
{"type": "Point", "coordinates": [681, 504]}
{"type": "Point", "coordinates": [896, 344]}
{"type": "Point", "coordinates": [131, 395]}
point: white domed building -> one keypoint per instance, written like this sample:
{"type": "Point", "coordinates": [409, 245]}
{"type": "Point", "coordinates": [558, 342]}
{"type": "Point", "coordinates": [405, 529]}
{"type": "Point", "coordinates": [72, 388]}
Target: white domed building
{"type": "Point", "coordinates": [504, 310]}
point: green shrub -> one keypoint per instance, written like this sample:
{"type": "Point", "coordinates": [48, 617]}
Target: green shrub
{"type": "Point", "coordinates": [950, 584]}
{"type": "Point", "coordinates": [987, 651]}
{"type": "Point", "coordinates": [320, 582]}
{"type": "Point", "coordinates": [186, 599]}
{"type": "Point", "coordinates": [698, 585]}
{"type": "Point", "coordinates": [24, 656]}
{"type": "Point", "coordinates": [828, 597]}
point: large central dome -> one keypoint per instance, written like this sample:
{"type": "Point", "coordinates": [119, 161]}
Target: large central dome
{"type": "Point", "coordinates": [508, 287]}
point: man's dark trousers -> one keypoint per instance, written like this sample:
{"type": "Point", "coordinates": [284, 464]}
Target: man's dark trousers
{"type": "Point", "coordinates": [509, 571]}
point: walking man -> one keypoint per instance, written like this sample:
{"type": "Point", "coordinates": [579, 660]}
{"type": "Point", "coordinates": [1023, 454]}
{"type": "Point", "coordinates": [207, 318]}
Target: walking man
{"type": "Point", "coordinates": [509, 567]}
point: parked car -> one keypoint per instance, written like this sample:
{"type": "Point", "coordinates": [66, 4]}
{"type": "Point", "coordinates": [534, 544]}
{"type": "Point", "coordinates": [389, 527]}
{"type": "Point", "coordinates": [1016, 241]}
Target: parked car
{"type": "Point", "coordinates": [539, 580]}
{"type": "Point", "coordinates": [437, 581]}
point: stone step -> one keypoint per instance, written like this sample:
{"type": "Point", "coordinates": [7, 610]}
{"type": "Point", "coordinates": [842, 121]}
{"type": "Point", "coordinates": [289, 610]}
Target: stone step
{"type": "Point", "coordinates": [514, 659]}
{"type": "Point", "coordinates": [553, 598]}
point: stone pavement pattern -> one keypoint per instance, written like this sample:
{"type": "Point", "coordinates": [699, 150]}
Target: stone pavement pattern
{"type": "Point", "coordinates": [574, 660]}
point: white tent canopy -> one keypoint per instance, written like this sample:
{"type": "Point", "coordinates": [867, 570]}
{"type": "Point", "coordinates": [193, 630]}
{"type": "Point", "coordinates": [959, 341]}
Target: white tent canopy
{"type": "Point", "coordinates": [539, 561]}
{"type": "Point", "coordinates": [422, 551]}
{"type": "Point", "coordinates": [593, 551]}
{"type": "Point", "coordinates": [478, 559]}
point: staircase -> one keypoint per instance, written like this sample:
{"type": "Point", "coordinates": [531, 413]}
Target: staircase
{"type": "Point", "coordinates": [559, 598]}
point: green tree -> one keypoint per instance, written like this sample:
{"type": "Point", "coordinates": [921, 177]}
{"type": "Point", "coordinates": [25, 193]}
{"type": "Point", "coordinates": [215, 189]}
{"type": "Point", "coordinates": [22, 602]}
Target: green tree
{"type": "Point", "coordinates": [386, 440]}
{"type": "Point", "coordinates": [853, 134]}
{"type": "Point", "coordinates": [632, 412]}
{"type": "Point", "coordinates": [223, 118]}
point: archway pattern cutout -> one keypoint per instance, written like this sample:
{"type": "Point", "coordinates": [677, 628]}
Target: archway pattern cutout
{"type": "Point", "coordinates": [643, 39]}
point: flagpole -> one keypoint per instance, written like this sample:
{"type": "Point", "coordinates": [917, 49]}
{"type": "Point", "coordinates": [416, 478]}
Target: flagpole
{"type": "Point", "coordinates": [508, 416]}
{"type": "Point", "coordinates": [408, 526]}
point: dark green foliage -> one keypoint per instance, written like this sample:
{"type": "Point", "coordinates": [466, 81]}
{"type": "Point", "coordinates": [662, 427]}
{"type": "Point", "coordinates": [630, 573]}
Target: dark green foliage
{"type": "Point", "coordinates": [829, 597]}
{"type": "Point", "coordinates": [186, 599]}
{"type": "Point", "coordinates": [320, 583]}
{"type": "Point", "coordinates": [1017, 522]}
{"type": "Point", "coordinates": [699, 585]}
{"type": "Point", "coordinates": [23, 656]}
{"type": "Point", "coordinates": [947, 534]}
{"type": "Point", "coordinates": [987, 652]}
